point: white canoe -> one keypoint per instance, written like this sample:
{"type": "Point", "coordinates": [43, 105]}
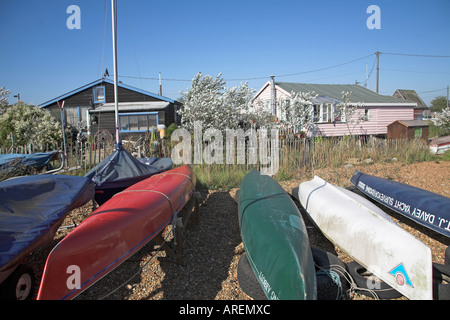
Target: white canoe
{"type": "Point", "coordinates": [370, 237]}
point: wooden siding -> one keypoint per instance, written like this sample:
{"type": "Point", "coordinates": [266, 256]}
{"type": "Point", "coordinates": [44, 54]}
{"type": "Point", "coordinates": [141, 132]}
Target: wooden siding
{"type": "Point", "coordinates": [379, 117]}
{"type": "Point", "coordinates": [85, 98]}
{"type": "Point", "coordinates": [397, 130]}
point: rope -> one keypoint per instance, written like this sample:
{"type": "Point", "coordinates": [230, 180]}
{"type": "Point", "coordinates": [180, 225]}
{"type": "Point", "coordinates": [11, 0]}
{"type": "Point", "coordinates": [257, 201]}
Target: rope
{"type": "Point", "coordinates": [337, 269]}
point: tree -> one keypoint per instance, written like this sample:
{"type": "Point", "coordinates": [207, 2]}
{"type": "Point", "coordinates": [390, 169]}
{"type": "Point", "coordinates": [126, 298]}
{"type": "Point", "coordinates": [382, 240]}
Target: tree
{"type": "Point", "coordinates": [3, 100]}
{"type": "Point", "coordinates": [438, 104]}
{"type": "Point", "coordinates": [24, 124]}
{"type": "Point", "coordinates": [442, 121]}
{"type": "Point", "coordinates": [216, 106]}
{"type": "Point", "coordinates": [298, 110]}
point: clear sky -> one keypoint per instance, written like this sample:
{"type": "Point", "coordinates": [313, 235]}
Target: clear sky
{"type": "Point", "coordinates": [248, 40]}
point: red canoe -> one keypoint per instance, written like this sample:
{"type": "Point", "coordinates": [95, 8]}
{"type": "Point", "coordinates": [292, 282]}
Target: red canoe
{"type": "Point", "coordinates": [114, 232]}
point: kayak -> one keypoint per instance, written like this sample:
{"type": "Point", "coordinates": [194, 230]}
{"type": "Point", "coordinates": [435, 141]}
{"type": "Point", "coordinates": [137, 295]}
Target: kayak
{"type": "Point", "coordinates": [121, 170]}
{"type": "Point", "coordinates": [114, 232]}
{"type": "Point", "coordinates": [423, 207]}
{"type": "Point", "coordinates": [370, 236]}
{"type": "Point", "coordinates": [275, 240]}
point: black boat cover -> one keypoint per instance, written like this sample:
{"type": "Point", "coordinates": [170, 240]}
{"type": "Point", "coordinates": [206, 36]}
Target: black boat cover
{"type": "Point", "coordinates": [424, 207]}
{"type": "Point", "coordinates": [121, 170]}
{"type": "Point", "coordinates": [32, 208]}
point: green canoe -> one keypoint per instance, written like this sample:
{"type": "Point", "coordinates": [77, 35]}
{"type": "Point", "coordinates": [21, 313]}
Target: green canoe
{"type": "Point", "coordinates": [275, 240]}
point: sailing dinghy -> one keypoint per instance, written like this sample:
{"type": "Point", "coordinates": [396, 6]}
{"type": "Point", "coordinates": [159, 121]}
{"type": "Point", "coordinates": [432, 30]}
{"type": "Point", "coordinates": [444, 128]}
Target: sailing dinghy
{"type": "Point", "coordinates": [370, 237]}
{"type": "Point", "coordinates": [423, 207]}
{"type": "Point", "coordinates": [121, 170]}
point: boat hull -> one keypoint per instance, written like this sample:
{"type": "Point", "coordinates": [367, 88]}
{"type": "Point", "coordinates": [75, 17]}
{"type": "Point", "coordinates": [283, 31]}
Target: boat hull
{"type": "Point", "coordinates": [370, 237]}
{"type": "Point", "coordinates": [114, 232]}
{"type": "Point", "coordinates": [31, 210]}
{"type": "Point", "coordinates": [424, 207]}
{"type": "Point", "coordinates": [275, 239]}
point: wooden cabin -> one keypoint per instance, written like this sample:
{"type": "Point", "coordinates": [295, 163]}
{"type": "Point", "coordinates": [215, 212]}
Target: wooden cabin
{"type": "Point", "coordinates": [408, 129]}
{"type": "Point", "coordinates": [91, 109]}
{"type": "Point", "coordinates": [374, 111]}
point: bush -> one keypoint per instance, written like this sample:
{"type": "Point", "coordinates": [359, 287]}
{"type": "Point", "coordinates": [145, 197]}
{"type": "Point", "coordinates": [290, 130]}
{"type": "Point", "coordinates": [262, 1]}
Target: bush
{"type": "Point", "coordinates": [28, 124]}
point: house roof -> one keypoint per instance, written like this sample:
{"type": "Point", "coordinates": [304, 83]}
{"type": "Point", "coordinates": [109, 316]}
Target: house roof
{"type": "Point", "coordinates": [359, 94]}
{"type": "Point", "coordinates": [99, 81]}
{"type": "Point", "coordinates": [412, 123]}
{"type": "Point", "coordinates": [410, 95]}
{"type": "Point", "coordinates": [334, 91]}
{"type": "Point", "coordinates": [132, 106]}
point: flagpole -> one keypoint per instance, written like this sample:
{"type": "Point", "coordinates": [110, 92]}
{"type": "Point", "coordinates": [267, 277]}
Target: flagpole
{"type": "Point", "coordinates": [116, 102]}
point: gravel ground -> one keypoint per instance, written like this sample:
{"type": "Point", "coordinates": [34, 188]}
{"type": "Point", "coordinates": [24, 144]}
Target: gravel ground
{"type": "Point", "coordinates": [212, 248]}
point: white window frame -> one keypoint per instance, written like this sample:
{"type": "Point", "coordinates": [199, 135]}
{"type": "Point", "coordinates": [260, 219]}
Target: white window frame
{"type": "Point", "coordinates": [97, 94]}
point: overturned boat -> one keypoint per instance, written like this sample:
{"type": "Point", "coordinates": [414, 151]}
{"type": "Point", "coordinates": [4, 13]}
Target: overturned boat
{"type": "Point", "coordinates": [275, 240]}
{"type": "Point", "coordinates": [114, 232]}
{"type": "Point", "coordinates": [370, 237]}
{"type": "Point", "coordinates": [423, 207]}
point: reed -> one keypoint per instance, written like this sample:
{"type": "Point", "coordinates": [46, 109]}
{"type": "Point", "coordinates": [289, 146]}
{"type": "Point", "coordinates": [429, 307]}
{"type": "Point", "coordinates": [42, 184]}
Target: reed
{"type": "Point", "coordinates": [300, 157]}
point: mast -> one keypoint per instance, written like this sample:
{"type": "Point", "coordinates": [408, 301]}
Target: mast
{"type": "Point", "coordinates": [116, 102]}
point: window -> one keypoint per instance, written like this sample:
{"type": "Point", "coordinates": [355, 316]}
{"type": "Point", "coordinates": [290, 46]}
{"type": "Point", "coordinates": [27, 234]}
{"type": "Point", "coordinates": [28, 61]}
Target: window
{"type": "Point", "coordinates": [99, 94]}
{"type": "Point", "coordinates": [137, 122]}
{"type": "Point", "coordinates": [316, 116]}
{"type": "Point", "coordinates": [366, 115]}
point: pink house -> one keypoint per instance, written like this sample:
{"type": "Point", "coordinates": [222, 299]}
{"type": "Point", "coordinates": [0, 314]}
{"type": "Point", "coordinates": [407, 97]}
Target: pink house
{"type": "Point", "coordinates": [372, 116]}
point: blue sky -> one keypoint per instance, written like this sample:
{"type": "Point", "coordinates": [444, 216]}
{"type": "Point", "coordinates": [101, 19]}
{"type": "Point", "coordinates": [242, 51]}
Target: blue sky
{"type": "Point", "coordinates": [248, 40]}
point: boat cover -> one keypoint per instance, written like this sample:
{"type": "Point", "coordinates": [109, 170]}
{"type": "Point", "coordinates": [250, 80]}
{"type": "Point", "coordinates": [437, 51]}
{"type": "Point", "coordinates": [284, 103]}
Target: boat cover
{"type": "Point", "coordinates": [424, 207]}
{"type": "Point", "coordinates": [24, 162]}
{"type": "Point", "coordinates": [32, 208]}
{"type": "Point", "coordinates": [120, 169]}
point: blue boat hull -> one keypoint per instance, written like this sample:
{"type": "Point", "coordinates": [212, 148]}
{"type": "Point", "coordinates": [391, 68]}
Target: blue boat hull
{"type": "Point", "coordinates": [424, 207]}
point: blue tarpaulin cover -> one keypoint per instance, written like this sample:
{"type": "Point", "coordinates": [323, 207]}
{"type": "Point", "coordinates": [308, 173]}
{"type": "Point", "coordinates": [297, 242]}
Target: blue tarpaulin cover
{"type": "Point", "coordinates": [24, 162]}
{"type": "Point", "coordinates": [32, 208]}
{"type": "Point", "coordinates": [424, 207]}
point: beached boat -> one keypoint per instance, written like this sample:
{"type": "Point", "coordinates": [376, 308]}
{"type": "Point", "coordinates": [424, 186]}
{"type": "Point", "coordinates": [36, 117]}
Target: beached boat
{"type": "Point", "coordinates": [18, 163]}
{"type": "Point", "coordinates": [424, 207]}
{"type": "Point", "coordinates": [121, 170]}
{"type": "Point", "coordinates": [440, 145]}
{"type": "Point", "coordinates": [370, 237]}
{"type": "Point", "coordinates": [275, 239]}
{"type": "Point", "coordinates": [114, 232]}
{"type": "Point", "coordinates": [31, 210]}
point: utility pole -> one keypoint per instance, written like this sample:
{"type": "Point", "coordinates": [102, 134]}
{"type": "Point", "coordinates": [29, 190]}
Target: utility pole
{"type": "Point", "coordinates": [160, 85]}
{"type": "Point", "coordinates": [447, 96]}
{"type": "Point", "coordinates": [378, 68]}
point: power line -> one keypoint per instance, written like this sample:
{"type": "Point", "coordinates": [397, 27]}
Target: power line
{"type": "Point", "coordinates": [255, 78]}
{"type": "Point", "coordinates": [326, 68]}
{"type": "Point", "coordinates": [414, 55]}
{"type": "Point", "coordinates": [414, 71]}
{"type": "Point", "coordinates": [303, 72]}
